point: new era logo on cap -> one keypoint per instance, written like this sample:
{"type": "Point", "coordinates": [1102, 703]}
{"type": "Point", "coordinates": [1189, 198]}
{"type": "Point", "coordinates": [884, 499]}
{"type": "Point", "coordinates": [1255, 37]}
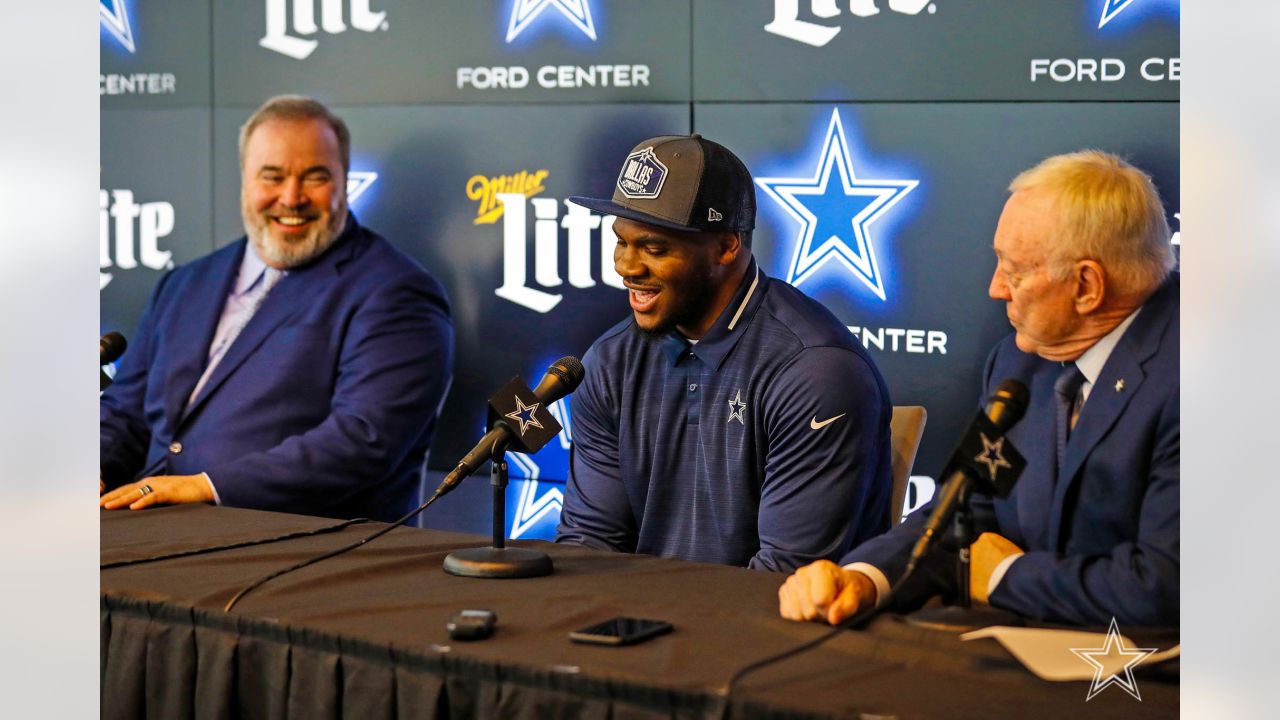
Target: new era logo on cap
{"type": "Point", "coordinates": [681, 182]}
{"type": "Point", "coordinates": [642, 175]}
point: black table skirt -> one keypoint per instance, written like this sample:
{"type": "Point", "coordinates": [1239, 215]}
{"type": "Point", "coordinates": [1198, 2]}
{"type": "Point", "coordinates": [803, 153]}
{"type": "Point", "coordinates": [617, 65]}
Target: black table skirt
{"type": "Point", "coordinates": [362, 636]}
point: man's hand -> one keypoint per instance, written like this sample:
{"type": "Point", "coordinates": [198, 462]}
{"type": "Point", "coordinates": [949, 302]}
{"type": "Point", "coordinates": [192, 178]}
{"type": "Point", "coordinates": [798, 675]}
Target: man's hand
{"type": "Point", "coordinates": [825, 591]}
{"type": "Point", "coordinates": [985, 555]}
{"type": "Point", "coordinates": [165, 490]}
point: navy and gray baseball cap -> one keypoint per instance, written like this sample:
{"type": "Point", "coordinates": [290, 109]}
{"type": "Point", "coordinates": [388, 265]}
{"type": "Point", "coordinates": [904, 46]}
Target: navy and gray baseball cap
{"type": "Point", "coordinates": [682, 182]}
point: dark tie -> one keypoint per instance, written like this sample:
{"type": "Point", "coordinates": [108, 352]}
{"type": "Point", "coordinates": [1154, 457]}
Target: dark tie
{"type": "Point", "coordinates": [1065, 390]}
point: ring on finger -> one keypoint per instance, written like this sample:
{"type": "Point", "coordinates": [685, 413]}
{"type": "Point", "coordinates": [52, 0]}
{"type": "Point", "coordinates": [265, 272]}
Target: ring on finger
{"type": "Point", "coordinates": [145, 490]}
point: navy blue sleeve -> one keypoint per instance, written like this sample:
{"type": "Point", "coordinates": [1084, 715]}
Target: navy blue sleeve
{"type": "Point", "coordinates": [596, 512]}
{"type": "Point", "coordinates": [394, 367]}
{"type": "Point", "coordinates": [827, 478]}
{"type": "Point", "coordinates": [123, 435]}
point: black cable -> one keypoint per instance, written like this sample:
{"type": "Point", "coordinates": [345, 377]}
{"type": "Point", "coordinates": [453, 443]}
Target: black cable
{"type": "Point", "coordinates": [233, 546]}
{"type": "Point", "coordinates": [840, 627]}
{"type": "Point", "coordinates": [332, 553]}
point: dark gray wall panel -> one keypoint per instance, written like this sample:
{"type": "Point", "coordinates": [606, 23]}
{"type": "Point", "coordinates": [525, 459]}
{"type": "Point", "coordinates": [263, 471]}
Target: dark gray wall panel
{"type": "Point", "coordinates": [154, 54]}
{"type": "Point", "coordinates": [400, 51]}
{"type": "Point", "coordinates": [156, 211]}
{"type": "Point", "coordinates": [946, 50]}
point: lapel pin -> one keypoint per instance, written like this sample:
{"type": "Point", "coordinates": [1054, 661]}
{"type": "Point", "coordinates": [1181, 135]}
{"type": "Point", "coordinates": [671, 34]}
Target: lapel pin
{"type": "Point", "coordinates": [1120, 385]}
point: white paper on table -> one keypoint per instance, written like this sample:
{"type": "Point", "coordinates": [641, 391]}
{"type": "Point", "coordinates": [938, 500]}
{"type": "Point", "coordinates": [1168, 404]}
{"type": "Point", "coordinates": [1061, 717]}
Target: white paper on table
{"type": "Point", "coordinates": [1048, 653]}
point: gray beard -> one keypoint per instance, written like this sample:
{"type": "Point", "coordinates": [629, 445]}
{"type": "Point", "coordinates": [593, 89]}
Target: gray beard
{"type": "Point", "coordinates": [295, 254]}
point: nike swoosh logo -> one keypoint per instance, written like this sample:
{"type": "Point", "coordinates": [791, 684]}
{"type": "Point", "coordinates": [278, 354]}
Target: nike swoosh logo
{"type": "Point", "coordinates": [819, 425]}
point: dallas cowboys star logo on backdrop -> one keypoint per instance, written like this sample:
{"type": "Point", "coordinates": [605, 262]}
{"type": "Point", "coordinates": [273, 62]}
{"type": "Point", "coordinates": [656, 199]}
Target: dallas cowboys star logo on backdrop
{"type": "Point", "coordinates": [537, 509]}
{"type": "Point", "coordinates": [113, 16]}
{"type": "Point", "coordinates": [1110, 9]}
{"type": "Point", "coordinates": [524, 12]}
{"type": "Point", "coordinates": [835, 217]}
{"type": "Point", "coordinates": [1114, 645]}
{"type": "Point", "coordinates": [992, 455]}
{"type": "Point", "coordinates": [736, 408]}
{"type": "Point", "coordinates": [358, 181]}
{"type": "Point", "coordinates": [523, 414]}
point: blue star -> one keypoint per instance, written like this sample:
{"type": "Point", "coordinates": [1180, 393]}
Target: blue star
{"type": "Point", "coordinates": [992, 456]}
{"type": "Point", "coordinates": [524, 12]}
{"type": "Point", "coordinates": [523, 414]}
{"type": "Point", "coordinates": [1112, 8]}
{"type": "Point", "coordinates": [113, 16]}
{"type": "Point", "coordinates": [835, 218]}
{"type": "Point", "coordinates": [358, 181]}
{"type": "Point", "coordinates": [537, 508]}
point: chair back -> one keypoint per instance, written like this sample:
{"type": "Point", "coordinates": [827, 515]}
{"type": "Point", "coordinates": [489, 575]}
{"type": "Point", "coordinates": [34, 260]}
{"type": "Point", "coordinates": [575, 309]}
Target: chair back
{"type": "Point", "coordinates": [905, 430]}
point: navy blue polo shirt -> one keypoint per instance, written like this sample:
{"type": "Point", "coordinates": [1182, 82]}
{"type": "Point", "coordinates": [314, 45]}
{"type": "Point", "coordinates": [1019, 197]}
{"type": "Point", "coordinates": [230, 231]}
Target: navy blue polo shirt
{"type": "Point", "coordinates": [766, 444]}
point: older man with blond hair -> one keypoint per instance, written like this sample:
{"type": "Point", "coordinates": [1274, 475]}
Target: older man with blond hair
{"type": "Point", "coordinates": [1091, 531]}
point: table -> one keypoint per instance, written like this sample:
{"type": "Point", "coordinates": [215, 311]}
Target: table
{"type": "Point", "coordinates": [363, 636]}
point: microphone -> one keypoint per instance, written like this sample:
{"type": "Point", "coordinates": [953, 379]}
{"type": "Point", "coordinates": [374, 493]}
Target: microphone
{"type": "Point", "coordinates": [986, 435]}
{"type": "Point", "coordinates": [562, 378]}
{"type": "Point", "coordinates": [110, 347]}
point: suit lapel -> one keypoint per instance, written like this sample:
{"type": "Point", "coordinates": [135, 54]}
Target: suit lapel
{"type": "Point", "coordinates": [286, 299]}
{"type": "Point", "coordinates": [200, 308]}
{"type": "Point", "coordinates": [1117, 384]}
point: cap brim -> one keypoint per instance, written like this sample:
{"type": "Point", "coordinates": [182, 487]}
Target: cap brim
{"type": "Point", "coordinates": [609, 207]}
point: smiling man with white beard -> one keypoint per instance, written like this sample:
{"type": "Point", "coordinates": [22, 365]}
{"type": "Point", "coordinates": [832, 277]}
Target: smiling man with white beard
{"type": "Point", "coordinates": [731, 419]}
{"type": "Point", "coordinates": [299, 369]}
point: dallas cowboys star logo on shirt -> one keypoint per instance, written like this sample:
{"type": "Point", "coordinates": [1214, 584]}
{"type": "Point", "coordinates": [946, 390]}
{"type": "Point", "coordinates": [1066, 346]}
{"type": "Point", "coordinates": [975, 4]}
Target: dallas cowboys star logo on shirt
{"type": "Point", "coordinates": [992, 456]}
{"type": "Point", "coordinates": [523, 414]}
{"type": "Point", "coordinates": [736, 408]}
{"type": "Point", "coordinates": [835, 218]}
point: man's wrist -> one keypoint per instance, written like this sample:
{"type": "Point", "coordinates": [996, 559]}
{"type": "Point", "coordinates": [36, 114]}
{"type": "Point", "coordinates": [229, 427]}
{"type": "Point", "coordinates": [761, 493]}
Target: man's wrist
{"type": "Point", "coordinates": [877, 585]}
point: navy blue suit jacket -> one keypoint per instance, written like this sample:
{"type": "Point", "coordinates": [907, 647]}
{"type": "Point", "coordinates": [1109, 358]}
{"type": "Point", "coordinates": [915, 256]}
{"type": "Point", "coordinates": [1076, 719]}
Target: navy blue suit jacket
{"type": "Point", "coordinates": [323, 405]}
{"type": "Point", "coordinates": [1102, 536]}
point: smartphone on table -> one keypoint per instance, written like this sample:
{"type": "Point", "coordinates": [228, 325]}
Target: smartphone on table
{"type": "Point", "coordinates": [621, 631]}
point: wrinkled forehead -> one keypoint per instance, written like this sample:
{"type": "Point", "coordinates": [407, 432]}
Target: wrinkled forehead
{"type": "Point", "coordinates": [1026, 226]}
{"type": "Point", "coordinates": [286, 139]}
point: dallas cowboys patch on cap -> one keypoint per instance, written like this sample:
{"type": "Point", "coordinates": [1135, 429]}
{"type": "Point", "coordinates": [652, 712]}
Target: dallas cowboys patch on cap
{"type": "Point", "coordinates": [681, 182]}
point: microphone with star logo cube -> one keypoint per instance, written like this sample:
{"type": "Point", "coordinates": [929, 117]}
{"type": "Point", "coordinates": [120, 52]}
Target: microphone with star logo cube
{"type": "Point", "coordinates": [519, 419]}
{"type": "Point", "coordinates": [984, 460]}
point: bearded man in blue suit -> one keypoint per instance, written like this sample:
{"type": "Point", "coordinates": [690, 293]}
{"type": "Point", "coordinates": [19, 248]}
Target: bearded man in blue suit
{"type": "Point", "coordinates": [1091, 530]}
{"type": "Point", "coordinates": [298, 369]}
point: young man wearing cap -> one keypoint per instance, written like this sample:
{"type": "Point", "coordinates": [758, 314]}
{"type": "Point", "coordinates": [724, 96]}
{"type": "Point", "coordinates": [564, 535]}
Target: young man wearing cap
{"type": "Point", "coordinates": [731, 419]}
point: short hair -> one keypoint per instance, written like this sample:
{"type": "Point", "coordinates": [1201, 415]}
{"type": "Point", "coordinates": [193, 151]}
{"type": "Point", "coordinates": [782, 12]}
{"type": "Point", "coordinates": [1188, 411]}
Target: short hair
{"type": "Point", "coordinates": [1109, 211]}
{"type": "Point", "coordinates": [298, 107]}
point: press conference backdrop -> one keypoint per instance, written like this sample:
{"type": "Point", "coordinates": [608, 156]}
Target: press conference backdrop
{"type": "Point", "coordinates": [892, 125]}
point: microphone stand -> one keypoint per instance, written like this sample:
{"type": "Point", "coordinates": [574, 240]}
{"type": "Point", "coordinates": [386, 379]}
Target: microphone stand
{"type": "Point", "coordinates": [498, 561]}
{"type": "Point", "coordinates": [962, 617]}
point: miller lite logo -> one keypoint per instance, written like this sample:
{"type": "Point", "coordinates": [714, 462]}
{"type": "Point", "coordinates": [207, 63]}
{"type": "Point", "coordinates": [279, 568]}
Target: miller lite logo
{"type": "Point", "coordinates": [279, 39]}
{"type": "Point", "coordinates": [642, 175]}
{"type": "Point", "coordinates": [136, 230]}
{"type": "Point", "coordinates": [787, 22]}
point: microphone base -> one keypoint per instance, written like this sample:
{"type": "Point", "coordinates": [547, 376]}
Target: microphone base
{"type": "Point", "coordinates": [955, 619]}
{"type": "Point", "coordinates": [491, 562]}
